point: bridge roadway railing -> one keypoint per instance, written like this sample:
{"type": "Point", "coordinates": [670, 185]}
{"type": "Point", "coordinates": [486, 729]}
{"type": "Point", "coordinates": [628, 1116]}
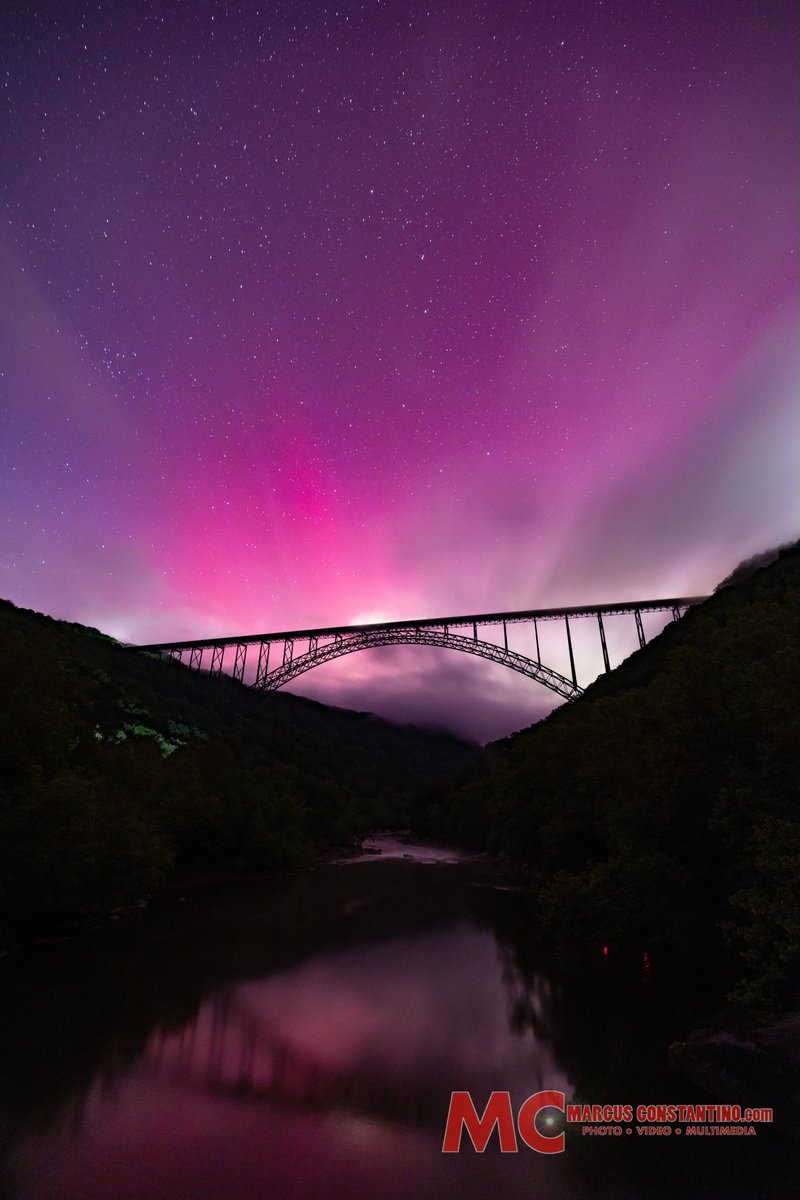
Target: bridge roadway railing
{"type": "Point", "coordinates": [298, 651]}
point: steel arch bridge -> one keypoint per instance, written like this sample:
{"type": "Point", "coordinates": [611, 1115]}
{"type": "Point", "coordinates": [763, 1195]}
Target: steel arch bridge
{"type": "Point", "coordinates": [297, 651]}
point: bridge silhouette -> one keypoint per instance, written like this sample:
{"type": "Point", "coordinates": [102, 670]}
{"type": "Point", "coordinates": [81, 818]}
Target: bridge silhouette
{"type": "Point", "coordinates": [296, 651]}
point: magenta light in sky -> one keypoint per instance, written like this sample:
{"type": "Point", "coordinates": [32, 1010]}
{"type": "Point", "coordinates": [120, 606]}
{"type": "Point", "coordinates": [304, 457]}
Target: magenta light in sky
{"type": "Point", "coordinates": [318, 313]}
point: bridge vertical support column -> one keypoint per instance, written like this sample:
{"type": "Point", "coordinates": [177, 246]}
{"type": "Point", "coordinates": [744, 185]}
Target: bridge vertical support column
{"type": "Point", "coordinates": [288, 651]}
{"type": "Point", "coordinates": [217, 653]}
{"type": "Point", "coordinates": [639, 628]}
{"type": "Point", "coordinates": [239, 661]}
{"type": "Point", "coordinates": [676, 614]}
{"type": "Point", "coordinates": [474, 632]}
{"type": "Point", "coordinates": [536, 635]}
{"type": "Point", "coordinates": [603, 641]}
{"type": "Point", "coordinates": [262, 667]}
{"type": "Point", "coordinates": [571, 655]}
{"type": "Point", "coordinates": [505, 636]}
{"type": "Point", "coordinates": [196, 658]}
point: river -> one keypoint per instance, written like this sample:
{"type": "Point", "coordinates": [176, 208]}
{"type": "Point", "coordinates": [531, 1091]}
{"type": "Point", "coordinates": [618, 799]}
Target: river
{"type": "Point", "coordinates": [300, 1037]}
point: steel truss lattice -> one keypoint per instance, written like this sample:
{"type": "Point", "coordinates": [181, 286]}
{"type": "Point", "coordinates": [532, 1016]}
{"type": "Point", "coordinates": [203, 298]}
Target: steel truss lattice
{"type": "Point", "coordinates": [369, 639]}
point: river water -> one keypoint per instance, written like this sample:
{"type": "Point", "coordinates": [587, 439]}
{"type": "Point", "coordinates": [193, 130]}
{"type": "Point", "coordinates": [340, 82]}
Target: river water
{"type": "Point", "coordinates": [300, 1037]}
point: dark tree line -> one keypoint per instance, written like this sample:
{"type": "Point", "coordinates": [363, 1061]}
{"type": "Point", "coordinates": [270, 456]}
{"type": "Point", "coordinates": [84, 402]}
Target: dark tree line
{"type": "Point", "coordinates": [660, 813]}
{"type": "Point", "coordinates": [118, 770]}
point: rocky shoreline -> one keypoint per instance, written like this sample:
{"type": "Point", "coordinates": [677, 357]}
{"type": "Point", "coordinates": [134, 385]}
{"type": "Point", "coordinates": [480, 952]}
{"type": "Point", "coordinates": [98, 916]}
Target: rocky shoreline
{"type": "Point", "coordinates": [755, 1066]}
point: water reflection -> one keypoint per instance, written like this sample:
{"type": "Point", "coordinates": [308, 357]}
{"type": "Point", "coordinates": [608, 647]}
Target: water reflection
{"type": "Point", "coordinates": [301, 1037]}
{"type": "Point", "coordinates": [382, 1031]}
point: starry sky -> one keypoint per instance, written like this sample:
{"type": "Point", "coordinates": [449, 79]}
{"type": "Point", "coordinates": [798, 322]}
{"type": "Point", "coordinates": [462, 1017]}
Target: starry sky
{"type": "Point", "coordinates": [318, 313]}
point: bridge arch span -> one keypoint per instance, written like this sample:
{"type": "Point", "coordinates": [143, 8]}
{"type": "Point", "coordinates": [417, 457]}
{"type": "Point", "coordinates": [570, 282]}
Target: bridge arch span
{"type": "Point", "coordinates": [370, 639]}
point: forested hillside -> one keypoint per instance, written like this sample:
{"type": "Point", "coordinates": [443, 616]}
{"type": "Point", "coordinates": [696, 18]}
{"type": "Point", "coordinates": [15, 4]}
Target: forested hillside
{"type": "Point", "coordinates": [117, 769]}
{"type": "Point", "coordinates": [660, 811]}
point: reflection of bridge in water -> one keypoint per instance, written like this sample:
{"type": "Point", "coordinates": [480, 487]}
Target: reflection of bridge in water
{"type": "Point", "coordinates": [231, 1052]}
{"type": "Point", "coordinates": [247, 658]}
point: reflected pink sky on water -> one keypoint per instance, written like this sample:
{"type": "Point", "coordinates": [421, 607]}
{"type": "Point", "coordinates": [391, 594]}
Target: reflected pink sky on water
{"type": "Point", "coordinates": [300, 1037]}
{"type": "Point", "coordinates": [329, 1080]}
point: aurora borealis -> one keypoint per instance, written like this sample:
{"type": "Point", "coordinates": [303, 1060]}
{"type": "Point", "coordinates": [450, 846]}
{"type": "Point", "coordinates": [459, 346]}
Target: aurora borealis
{"type": "Point", "coordinates": [324, 313]}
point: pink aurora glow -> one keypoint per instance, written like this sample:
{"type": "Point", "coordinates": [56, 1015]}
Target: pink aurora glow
{"type": "Point", "coordinates": [341, 314]}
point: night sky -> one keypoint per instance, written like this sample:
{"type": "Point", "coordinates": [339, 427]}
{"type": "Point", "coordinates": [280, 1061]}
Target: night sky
{"type": "Point", "coordinates": [323, 313]}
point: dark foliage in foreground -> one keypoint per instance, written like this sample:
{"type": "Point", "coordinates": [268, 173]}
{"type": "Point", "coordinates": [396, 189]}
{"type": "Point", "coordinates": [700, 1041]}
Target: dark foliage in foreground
{"type": "Point", "coordinates": [661, 810]}
{"type": "Point", "coordinates": [117, 769]}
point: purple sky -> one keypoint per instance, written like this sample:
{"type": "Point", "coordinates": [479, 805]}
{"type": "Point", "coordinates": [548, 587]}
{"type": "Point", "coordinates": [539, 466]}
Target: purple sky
{"type": "Point", "coordinates": [318, 313]}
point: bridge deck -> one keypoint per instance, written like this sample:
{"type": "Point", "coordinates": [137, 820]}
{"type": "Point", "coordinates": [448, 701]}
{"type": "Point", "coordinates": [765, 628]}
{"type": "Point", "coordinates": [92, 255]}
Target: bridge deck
{"type": "Point", "coordinates": [497, 618]}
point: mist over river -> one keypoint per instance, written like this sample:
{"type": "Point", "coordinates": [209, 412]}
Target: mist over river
{"type": "Point", "coordinates": [300, 1037]}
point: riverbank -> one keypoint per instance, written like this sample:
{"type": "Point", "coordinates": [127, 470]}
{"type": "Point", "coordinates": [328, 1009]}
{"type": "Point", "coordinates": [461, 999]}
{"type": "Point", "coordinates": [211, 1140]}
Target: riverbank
{"type": "Point", "coordinates": [660, 808]}
{"type": "Point", "coordinates": [752, 1065]}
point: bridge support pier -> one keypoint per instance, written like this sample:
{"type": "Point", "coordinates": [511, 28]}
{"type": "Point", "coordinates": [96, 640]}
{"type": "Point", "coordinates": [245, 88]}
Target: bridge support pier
{"type": "Point", "coordinates": [606, 663]}
{"type": "Point", "coordinates": [571, 655]}
{"type": "Point", "coordinates": [239, 661]}
{"type": "Point", "coordinates": [639, 628]}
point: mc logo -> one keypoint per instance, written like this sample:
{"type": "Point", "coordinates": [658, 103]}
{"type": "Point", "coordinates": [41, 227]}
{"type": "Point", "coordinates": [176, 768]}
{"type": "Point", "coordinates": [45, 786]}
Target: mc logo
{"type": "Point", "coordinates": [462, 1114]}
